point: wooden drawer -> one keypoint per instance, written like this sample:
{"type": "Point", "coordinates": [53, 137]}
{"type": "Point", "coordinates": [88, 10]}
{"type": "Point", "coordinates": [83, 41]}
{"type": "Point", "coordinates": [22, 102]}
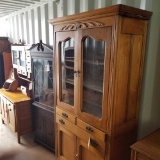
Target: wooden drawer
{"type": "Point", "coordinates": [92, 130]}
{"type": "Point", "coordinates": [93, 142]}
{"type": "Point", "coordinates": [66, 115]}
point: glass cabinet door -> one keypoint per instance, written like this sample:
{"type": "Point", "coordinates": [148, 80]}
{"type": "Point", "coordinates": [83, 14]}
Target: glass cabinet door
{"type": "Point", "coordinates": [43, 82]}
{"type": "Point", "coordinates": [95, 52]}
{"type": "Point", "coordinates": [93, 75]}
{"type": "Point", "coordinates": [66, 71]}
{"type": "Point", "coordinates": [14, 58]}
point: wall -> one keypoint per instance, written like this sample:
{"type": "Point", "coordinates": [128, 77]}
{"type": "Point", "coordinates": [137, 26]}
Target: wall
{"type": "Point", "coordinates": [31, 25]}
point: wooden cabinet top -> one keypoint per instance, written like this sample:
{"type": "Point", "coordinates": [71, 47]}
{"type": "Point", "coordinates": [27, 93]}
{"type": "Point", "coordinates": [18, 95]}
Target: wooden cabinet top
{"type": "Point", "coordinates": [149, 146]}
{"type": "Point", "coordinates": [119, 9]}
{"type": "Point", "coordinates": [14, 97]}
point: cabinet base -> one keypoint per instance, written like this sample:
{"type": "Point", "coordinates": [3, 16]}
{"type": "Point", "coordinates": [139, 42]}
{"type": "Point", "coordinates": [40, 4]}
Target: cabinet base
{"type": "Point", "coordinates": [37, 140]}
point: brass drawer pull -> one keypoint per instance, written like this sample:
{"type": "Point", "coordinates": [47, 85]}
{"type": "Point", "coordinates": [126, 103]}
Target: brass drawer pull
{"type": "Point", "coordinates": [64, 115]}
{"type": "Point", "coordinates": [61, 121]}
{"type": "Point", "coordinates": [92, 142]}
{"type": "Point", "coordinates": [89, 129]}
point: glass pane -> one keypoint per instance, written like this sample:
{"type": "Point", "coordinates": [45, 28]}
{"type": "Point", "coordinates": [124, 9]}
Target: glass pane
{"type": "Point", "coordinates": [14, 56]}
{"type": "Point", "coordinates": [93, 68]}
{"type": "Point", "coordinates": [22, 58]}
{"type": "Point", "coordinates": [43, 81]}
{"type": "Point", "coordinates": [67, 71]}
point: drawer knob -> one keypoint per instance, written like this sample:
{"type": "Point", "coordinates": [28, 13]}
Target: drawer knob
{"type": "Point", "coordinates": [89, 129]}
{"type": "Point", "coordinates": [64, 115]}
{"type": "Point", "coordinates": [61, 121]}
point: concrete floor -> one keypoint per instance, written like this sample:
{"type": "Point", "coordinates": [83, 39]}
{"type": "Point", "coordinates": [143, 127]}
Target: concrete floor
{"type": "Point", "coordinates": [8, 144]}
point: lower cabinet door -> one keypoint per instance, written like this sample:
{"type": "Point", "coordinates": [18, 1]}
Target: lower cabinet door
{"type": "Point", "coordinates": [66, 144]}
{"type": "Point", "coordinates": [39, 127]}
{"type": "Point", "coordinates": [87, 152]}
{"type": "Point", "coordinates": [4, 110]}
{"type": "Point", "coordinates": [50, 140]}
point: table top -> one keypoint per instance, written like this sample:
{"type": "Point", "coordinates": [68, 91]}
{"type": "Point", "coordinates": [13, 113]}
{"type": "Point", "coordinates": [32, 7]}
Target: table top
{"type": "Point", "coordinates": [149, 146]}
{"type": "Point", "coordinates": [14, 97]}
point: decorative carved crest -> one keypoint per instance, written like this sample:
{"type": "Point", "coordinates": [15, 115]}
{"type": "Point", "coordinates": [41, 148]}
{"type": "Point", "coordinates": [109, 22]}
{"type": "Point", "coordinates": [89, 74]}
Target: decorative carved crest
{"type": "Point", "coordinates": [81, 25]}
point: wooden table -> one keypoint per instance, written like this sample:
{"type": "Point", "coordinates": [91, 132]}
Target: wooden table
{"type": "Point", "coordinates": [147, 148]}
{"type": "Point", "coordinates": [16, 111]}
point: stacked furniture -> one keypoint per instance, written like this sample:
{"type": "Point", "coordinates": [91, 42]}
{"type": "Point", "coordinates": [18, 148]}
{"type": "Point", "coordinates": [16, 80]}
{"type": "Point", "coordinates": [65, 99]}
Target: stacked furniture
{"type": "Point", "coordinates": [15, 106]}
{"type": "Point", "coordinates": [99, 58]}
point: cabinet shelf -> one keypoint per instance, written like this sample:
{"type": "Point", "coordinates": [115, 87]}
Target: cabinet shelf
{"type": "Point", "coordinates": [69, 60]}
{"type": "Point", "coordinates": [93, 87]}
{"type": "Point", "coordinates": [70, 81]}
{"type": "Point", "coordinates": [94, 62]}
{"type": "Point", "coordinates": [69, 67]}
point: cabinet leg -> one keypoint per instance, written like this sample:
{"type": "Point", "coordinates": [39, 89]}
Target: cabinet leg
{"type": "Point", "coordinates": [2, 121]}
{"type": "Point", "coordinates": [18, 138]}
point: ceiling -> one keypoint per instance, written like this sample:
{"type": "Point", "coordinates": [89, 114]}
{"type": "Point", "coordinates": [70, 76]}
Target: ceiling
{"type": "Point", "coordinates": [9, 6]}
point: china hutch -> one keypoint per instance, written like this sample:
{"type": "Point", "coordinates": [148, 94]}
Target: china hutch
{"type": "Point", "coordinates": [99, 58]}
{"type": "Point", "coordinates": [43, 95]}
{"type": "Point", "coordinates": [5, 57]}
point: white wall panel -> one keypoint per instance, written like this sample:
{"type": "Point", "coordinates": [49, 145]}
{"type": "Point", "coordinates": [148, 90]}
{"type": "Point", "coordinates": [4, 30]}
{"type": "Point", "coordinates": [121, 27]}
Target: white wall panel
{"type": "Point", "coordinates": [44, 24]}
{"type": "Point", "coordinates": [31, 27]}
{"type": "Point", "coordinates": [37, 24]}
{"type": "Point", "coordinates": [20, 27]}
{"type": "Point", "coordinates": [25, 28]}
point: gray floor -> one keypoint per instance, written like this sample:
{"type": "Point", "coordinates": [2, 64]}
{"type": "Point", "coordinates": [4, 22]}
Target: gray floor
{"type": "Point", "coordinates": [8, 143]}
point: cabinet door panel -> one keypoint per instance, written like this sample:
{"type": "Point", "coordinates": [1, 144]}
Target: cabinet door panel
{"type": "Point", "coordinates": [49, 132]}
{"type": "Point", "coordinates": [67, 144]}
{"type": "Point", "coordinates": [94, 69]}
{"type": "Point", "coordinates": [66, 70]}
{"type": "Point", "coordinates": [4, 109]}
{"type": "Point", "coordinates": [11, 115]}
{"type": "Point", "coordinates": [39, 127]}
{"type": "Point", "coordinates": [87, 152]}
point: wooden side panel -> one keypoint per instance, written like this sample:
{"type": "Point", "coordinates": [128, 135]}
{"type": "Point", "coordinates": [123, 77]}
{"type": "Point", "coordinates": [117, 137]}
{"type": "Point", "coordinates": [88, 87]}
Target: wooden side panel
{"type": "Point", "coordinates": [122, 76]}
{"type": "Point", "coordinates": [129, 67]}
{"type": "Point", "coordinates": [133, 26]}
{"type": "Point", "coordinates": [24, 118]}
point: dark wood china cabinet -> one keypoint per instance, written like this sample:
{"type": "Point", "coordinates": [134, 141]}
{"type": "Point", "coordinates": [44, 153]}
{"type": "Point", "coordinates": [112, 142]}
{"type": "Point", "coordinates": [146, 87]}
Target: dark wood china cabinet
{"type": "Point", "coordinates": [99, 59]}
{"type": "Point", "coordinates": [43, 95]}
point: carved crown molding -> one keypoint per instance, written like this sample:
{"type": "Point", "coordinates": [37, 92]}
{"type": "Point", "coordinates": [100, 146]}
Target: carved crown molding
{"type": "Point", "coordinates": [81, 25]}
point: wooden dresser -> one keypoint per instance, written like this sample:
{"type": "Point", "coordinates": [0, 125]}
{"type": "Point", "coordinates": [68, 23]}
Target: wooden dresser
{"type": "Point", "coordinates": [16, 111]}
{"type": "Point", "coordinates": [147, 148]}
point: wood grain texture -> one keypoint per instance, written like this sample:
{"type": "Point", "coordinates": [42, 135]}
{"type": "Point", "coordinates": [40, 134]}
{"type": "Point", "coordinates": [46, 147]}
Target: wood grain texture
{"type": "Point", "coordinates": [124, 33]}
{"type": "Point", "coordinates": [148, 148]}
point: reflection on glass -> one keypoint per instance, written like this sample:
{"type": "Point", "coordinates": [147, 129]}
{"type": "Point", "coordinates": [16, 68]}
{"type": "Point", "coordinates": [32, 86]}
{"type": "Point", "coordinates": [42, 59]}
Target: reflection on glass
{"type": "Point", "coordinates": [14, 56]}
{"type": "Point", "coordinates": [43, 82]}
{"type": "Point", "coordinates": [22, 59]}
{"type": "Point", "coordinates": [93, 68]}
{"type": "Point", "coordinates": [67, 71]}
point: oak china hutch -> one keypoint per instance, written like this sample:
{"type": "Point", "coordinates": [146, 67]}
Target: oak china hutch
{"type": "Point", "coordinates": [99, 58]}
{"type": "Point", "coordinates": [43, 107]}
